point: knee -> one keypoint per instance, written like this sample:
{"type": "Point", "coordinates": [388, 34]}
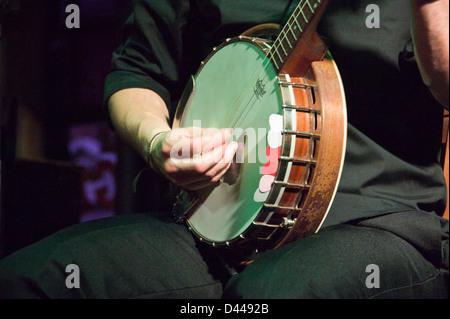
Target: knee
{"type": "Point", "coordinates": [250, 285]}
{"type": "Point", "coordinates": [16, 282]}
{"type": "Point", "coordinates": [32, 273]}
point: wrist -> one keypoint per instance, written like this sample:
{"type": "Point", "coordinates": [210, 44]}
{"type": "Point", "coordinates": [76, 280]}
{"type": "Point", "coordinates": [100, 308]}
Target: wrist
{"type": "Point", "coordinates": [150, 150]}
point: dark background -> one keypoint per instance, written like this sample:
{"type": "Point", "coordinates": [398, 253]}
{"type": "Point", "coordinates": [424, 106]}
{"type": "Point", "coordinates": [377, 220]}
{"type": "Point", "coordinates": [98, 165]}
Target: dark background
{"type": "Point", "coordinates": [57, 152]}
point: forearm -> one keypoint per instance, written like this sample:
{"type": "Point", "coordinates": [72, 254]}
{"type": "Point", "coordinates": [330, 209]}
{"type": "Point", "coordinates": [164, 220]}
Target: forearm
{"type": "Point", "coordinates": [430, 30]}
{"type": "Point", "coordinates": [138, 115]}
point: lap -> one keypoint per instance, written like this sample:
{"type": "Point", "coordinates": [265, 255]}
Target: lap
{"type": "Point", "coordinates": [148, 256]}
{"type": "Point", "coordinates": [342, 262]}
{"type": "Point", "coordinates": [133, 256]}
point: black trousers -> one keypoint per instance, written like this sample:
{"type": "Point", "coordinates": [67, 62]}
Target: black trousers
{"type": "Point", "coordinates": [148, 256]}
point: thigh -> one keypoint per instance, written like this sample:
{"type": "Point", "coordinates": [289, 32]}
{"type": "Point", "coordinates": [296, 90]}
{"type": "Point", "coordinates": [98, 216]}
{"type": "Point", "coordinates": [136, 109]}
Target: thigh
{"type": "Point", "coordinates": [133, 256]}
{"type": "Point", "coordinates": [341, 262]}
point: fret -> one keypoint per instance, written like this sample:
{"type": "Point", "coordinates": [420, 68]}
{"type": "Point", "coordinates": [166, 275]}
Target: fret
{"type": "Point", "coordinates": [304, 16]}
{"type": "Point", "coordinates": [293, 34]}
{"type": "Point", "coordinates": [298, 25]}
{"type": "Point", "coordinates": [286, 37]}
{"type": "Point", "coordinates": [315, 4]}
{"type": "Point", "coordinates": [279, 56]}
{"type": "Point", "coordinates": [293, 30]}
{"type": "Point", "coordinates": [276, 64]}
{"type": "Point", "coordinates": [309, 5]}
{"type": "Point", "coordinates": [284, 50]}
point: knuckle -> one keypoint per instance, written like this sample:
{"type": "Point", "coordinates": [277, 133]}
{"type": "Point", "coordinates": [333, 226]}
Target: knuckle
{"type": "Point", "coordinates": [216, 179]}
{"type": "Point", "coordinates": [170, 168]}
{"type": "Point", "coordinates": [210, 174]}
{"type": "Point", "coordinates": [199, 168]}
{"type": "Point", "coordinates": [166, 149]}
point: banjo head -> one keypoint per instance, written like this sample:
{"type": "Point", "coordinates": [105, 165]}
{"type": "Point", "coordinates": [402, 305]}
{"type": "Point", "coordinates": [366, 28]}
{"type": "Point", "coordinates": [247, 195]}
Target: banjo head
{"type": "Point", "coordinates": [237, 88]}
{"type": "Point", "coordinates": [292, 140]}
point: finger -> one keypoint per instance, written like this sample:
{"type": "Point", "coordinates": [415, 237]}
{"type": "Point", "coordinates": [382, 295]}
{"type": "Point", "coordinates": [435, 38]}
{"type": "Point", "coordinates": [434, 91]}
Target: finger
{"type": "Point", "coordinates": [213, 176]}
{"type": "Point", "coordinates": [180, 177]}
{"type": "Point", "coordinates": [199, 164]}
{"type": "Point", "coordinates": [209, 140]}
{"type": "Point", "coordinates": [220, 174]}
{"type": "Point", "coordinates": [189, 181]}
{"type": "Point", "coordinates": [187, 143]}
{"type": "Point", "coordinates": [224, 164]}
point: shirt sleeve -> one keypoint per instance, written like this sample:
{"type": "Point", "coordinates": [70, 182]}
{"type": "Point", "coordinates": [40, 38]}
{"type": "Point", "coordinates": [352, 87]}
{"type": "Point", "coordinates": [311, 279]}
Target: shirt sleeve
{"type": "Point", "coordinates": [151, 50]}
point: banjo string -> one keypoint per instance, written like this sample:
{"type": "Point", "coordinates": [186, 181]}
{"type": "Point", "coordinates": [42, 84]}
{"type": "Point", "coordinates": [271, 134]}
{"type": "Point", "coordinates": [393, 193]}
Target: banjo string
{"type": "Point", "coordinates": [250, 94]}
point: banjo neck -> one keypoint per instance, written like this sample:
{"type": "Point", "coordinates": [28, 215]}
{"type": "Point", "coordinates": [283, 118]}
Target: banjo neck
{"type": "Point", "coordinates": [298, 44]}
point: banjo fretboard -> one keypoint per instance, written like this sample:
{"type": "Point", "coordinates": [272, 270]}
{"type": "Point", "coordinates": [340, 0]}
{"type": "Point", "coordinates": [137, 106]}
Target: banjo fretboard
{"type": "Point", "coordinates": [293, 31]}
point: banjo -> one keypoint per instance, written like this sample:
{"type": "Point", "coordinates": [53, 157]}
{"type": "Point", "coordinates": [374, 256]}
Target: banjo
{"type": "Point", "coordinates": [285, 102]}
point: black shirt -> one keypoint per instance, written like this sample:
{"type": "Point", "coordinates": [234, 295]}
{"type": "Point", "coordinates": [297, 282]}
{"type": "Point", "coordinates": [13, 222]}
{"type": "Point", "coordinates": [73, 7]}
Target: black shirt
{"type": "Point", "coordinates": [395, 126]}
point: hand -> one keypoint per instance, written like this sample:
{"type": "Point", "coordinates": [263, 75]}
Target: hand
{"type": "Point", "coordinates": [193, 158]}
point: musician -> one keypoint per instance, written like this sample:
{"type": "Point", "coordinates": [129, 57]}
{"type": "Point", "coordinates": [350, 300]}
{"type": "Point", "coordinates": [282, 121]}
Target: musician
{"type": "Point", "coordinates": [386, 214]}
